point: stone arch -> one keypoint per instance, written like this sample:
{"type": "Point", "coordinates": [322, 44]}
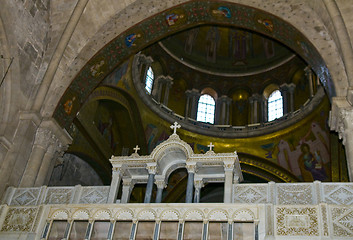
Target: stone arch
{"type": "Point", "coordinates": [269, 90]}
{"type": "Point", "coordinates": [170, 214]}
{"type": "Point", "coordinates": [244, 215]}
{"type": "Point", "coordinates": [171, 154]}
{"type": "Point", "coordinates": [81, 214]}
{"type": "Point", "coordinates": [60, 214]}
{"type": "Point", "coordinates": [306, 42]}
{"type": "Point", "coordinates": [124, 214]}
{"type": "Point", "coordinates": [102, 214]}
{"type": "Point", "coordinates": [172, 144]}
{"type": "Point", "coordinates": [173, 168]}
{"type": "Point", "coordinates": [218, 215]}
{"type": "Point", "coordinates": [194, 214]}
{"type": "Point", "coordinates": [147, 214]}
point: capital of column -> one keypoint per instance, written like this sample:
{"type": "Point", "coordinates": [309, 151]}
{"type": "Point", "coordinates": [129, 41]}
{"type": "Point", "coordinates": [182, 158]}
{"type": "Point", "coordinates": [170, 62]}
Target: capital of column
{"type": "Point", "coordinates": [284, 88]}
{"type": "Point", "coordinates": [165, 79]}
{"type": "Point", "coordinates": [255, 98]}
{"type": "Point", "coordinates": [43, 137]}
{"type": "Point", "coordinates": [228, 166]}
{"type": "Point", "coordinates": [191, 167]}
{"type": "Point", "coordinates": [192, 92]}
{"type": "Point", "coordinates": [224, 98]}
{"type": "Point", "coordinates": [118, 170]}
{"type": "Point", "coordinates": [143, 59]}
{"type": "Point", "coordinates": [291, 88]}
{"type": "Point", "coordinates": [341, 117]}
{"type": "Point", "coordinates": [198, 183]}
{"type": "Point", "coordinates": [151, 168]}
{"type": "Point", "coordinates": [160, 183]}
{"type": "Point", "coordinates": [56, 145]}
{"type": "Point", "coordinates": [128, 182]}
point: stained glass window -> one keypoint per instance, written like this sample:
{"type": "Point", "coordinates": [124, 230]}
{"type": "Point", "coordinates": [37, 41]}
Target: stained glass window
{"type": "Point", "coordinates": [275, 105]}
{"type": "Point", "coordinates": [149, 80]}
{"type": "Point", "coordinates": [206, 109]}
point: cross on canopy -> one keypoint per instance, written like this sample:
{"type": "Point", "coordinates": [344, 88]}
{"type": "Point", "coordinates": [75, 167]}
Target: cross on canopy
{"type": "Point", "coordinates": [210, 146]}
{"type": "Point", "coordinates": [175, 126]}
{"type": "Point", "coordinates": [136, 148]}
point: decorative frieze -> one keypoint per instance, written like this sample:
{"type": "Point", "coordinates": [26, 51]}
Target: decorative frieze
{"type": "Point", "coordinates": [20, 219]}
{"type": "Point", "coordinates": [297, 221]}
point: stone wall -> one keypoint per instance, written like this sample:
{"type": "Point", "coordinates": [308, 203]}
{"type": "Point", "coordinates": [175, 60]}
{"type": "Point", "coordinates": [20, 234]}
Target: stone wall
{"type": "Point", "coordinates": [72, 170]}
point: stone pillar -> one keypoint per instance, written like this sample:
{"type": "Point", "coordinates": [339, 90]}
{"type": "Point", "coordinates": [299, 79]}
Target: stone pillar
{"type": "Point", "coordinates": [168, 84]}
{"type": "Point", "coordinates": [228, 182]}
{"type": "Point", "coordinates": [284, 89]}
{"type": "Point", "coordinates": [341, 121]}
{"type": "Point", "coordinates": [146, 63]}
{"type": "Point", "coordinates": [128, 185]}
{"type": "Point", "coordinates": [263, 110]}
{"type": "Point", "coordinates": [190, 184]}
{"type": "Point", "coordinates": [309, 76]}
{"type": "Point", "coordinates": [255, 101]}
{"type": "Point", "coordinates": [19, 152]}
{"type": "Point", "coordinates": [291, 88]}
{"type": "Point", "coordinates": [159, 82]}
{"type": "Point", "coordinates": [115, 184]}
{"type": "Point", "coordinates": [55, 150]}
{"type": "Point", "coordinates": [188, 102]}
{"type": "Point", "coordinates": [198, 183]}
{"type": "Point", "coordinates": [142, 64]}
{"type": "Point", "coordinates": [151, 173]}
{"type": "Point", "coordinates": [253, 109]}
{"type": "Point", "coordinates": [194, 96]}
{"type": "Point", "coordinates": [224, 113]}
{"type": "Point", "coordinates": [40, 146]}
{"type": "Point", "coordinates": [160, 186]}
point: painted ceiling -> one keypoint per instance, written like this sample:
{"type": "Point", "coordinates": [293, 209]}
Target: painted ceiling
{"type": "Point", "coordinates": [229, 51]}
{"type": "Point", "coordinates": [172, 21]}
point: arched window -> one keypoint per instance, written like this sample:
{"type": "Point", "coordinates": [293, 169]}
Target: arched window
{"type": "Point", "coordinates": [149, 80]}
{"type": "Point", "coordinates": [206, 109]}
{"type": "Point", "coordinates": [275, 105]}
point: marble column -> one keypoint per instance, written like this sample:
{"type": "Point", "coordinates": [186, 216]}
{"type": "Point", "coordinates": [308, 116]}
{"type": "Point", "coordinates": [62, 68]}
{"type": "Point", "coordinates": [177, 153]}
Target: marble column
{"type": "Point", "coordinates": [168, 82]}
{"type": "Point", "coordinates": [263, 110]}
{"type": "Point", "coordinates": [151, 173]}
{"type": "Point", "coordinates": [115, 184]}
{"type": "Point", "coordinates": [194, 100]}
{"type": "Point", "coordinates": [144, 63]}
{"type": "Point", "coordinates": [188, 102]}
{"type": "Point", "coordinates": [252, 109]}
{"type": "Point", "coordinates": [190, 184]}
{"type": "Point", "coordinates": [160, 186]}
{"type": "Point", "coordinates": [40, 146]}
{"type": "Point", "coordinates": [223, 103]}
{"type": "Point", "coordinates": [159, 82]}
{"type": "Point", "coordinates": [198, 183]}
{"type": "Point", "coordinates": [291, 88]}
{"type": "Point", "coordinates": [128, 185]}
{"type": "Point", "coordinates": [228, 182]}
{"type": "Point", "coordinates": [255, 101]}
{"type": "Point", "coordinates": [309, 76]}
